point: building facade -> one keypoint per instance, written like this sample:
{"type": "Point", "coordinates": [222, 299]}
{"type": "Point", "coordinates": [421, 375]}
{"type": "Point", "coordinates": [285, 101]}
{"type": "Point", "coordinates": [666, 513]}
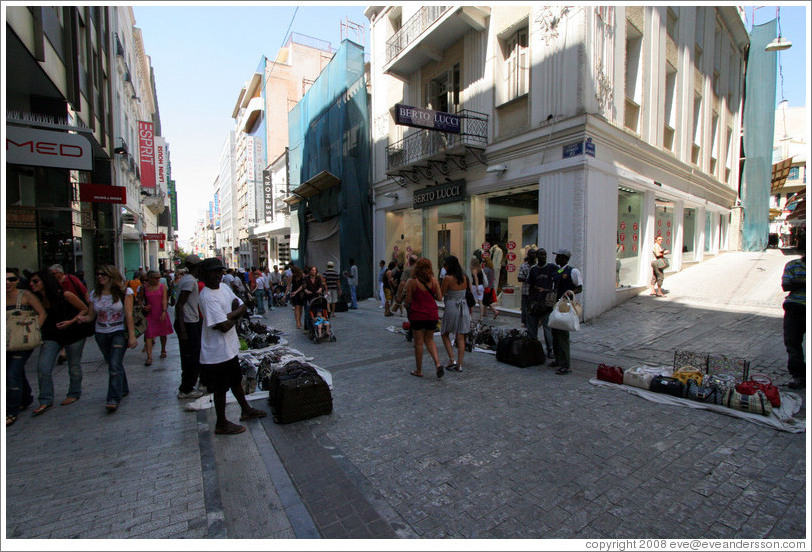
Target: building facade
{"type": "Point", "coordinates": [499, 129]}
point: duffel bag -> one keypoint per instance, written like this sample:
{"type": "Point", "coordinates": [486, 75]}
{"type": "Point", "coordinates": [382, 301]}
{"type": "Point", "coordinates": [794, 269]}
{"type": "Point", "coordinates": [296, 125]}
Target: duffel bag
{"type": "Point", "coordinates": [298, 392]}
{"type": "Point", "coordinates": [756, 403]}
{"type": "Point", "coordinates": [637, 377]}
{"type": "Point", "coordinates": [667, 385]}
{"type": "Point", "coordinates": [760, 382]}
{"type": "Point", "coordinates": [522, 351]}
{"type": "Point", "coordinates": [687, 373]}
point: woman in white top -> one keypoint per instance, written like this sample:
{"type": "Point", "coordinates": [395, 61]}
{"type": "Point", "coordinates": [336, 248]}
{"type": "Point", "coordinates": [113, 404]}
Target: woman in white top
{"type": "Point", "coordinates": [111, 305]}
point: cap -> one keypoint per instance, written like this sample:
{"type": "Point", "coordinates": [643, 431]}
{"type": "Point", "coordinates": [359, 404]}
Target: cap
{"type": "Point", "coordinates": [330, 264]}
{"type": "Point", "coordinates": [564, 252]}
{"type": "Point", "coordinates": [191, 260]}
{"type": "Point", "coordinates": [211, 264]}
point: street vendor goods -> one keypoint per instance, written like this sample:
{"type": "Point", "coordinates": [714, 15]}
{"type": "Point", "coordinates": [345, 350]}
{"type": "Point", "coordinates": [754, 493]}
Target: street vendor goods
{"type": "Point", "coordinates": [667, 385]}
{"type": "Point", "coordinates": [756, 403]}
{"type": "Point", "coordinates": [688, 373]}
{"type": "Point", "coordinates": [298, 392]}
{"type": "Point", "coordinates": [703, 394]}
{"type": "Point", "coordinates": [565, 314]}
{"type": "Point", "coordinates": [760, 382]}
{"type": "Point", "coordinates": [612, 374]}
{"type": "Point", "coordinates": [521, 351]}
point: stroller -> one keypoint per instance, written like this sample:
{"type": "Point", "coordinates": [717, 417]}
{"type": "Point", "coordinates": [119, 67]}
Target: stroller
{"type": "Point", "coordinates": [278, 295]}
{"type": "Point", "coordinates": [316, 321]}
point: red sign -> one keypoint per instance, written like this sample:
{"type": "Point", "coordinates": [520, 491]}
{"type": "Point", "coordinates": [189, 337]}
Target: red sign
{"type": "Point", "coordinates": [102, 193]}
{"type": "Point", "coordinates": [622, 236]}
{"type": "Point", "coordinates": [511, 245]}
{"type": "Point", "coordinates": [634, 237]}
{"type": "Point", "coordinates": [668, 224]}
{"type": "Point", "coordinates": [510, 267]}
{"type": "Point", "coordinates": [634, 226]}
{"type": "Point", "coordinates": [659, 223]}
{"type": "Point", "coordinates": [396, 249]}
{"type": "Point", "coordinates": [511, 256]}
{"type": "Point", "coordinates": [486, 255]}
{"type": "Point", "coordinates": [409, 249]}
{"type": "Point", "coordinates": [634, 247]}
{"type": "Point", "coordinates": [486, 246]}
{"type": "Point", "coordinates": [146, 151]}
{"type": "Point", "coordinates": [156, 237]}
{"type": "Point", "coordinates": [161, 245]}
{"type": "Point", "coordinates": [622, 225]}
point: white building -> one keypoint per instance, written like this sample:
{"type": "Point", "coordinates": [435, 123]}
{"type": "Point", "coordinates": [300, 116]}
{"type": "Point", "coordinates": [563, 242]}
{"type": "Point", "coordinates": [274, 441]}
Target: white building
{"type": "Point", "coordinates": [575, 124]}
{"type": "Point", "coordinates": [226, 235]}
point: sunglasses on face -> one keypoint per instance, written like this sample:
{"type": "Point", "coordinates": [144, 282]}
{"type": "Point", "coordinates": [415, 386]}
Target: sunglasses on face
{"type": "Point", "coordinates": [11, 279]}
{"type": "Point", "coordinates": [36, 281]}
{"type": "Point", "coordinates": [100, 274]}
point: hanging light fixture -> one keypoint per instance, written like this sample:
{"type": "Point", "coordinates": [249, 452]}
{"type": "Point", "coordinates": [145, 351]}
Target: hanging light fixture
{"type": "Point", "coordinates": [780, 43]}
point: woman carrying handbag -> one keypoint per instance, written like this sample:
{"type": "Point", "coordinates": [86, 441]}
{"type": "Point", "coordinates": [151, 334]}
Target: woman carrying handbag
{"type": "Point", "coordinates": [111, 306]}
{"type": "Point", "coordinates": [61, 330]}
{"type": "Point", "coordinates": [21, 340]}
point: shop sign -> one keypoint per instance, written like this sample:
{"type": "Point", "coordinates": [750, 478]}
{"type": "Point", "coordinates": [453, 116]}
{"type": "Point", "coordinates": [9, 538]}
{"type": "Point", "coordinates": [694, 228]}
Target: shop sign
{"type": "Point", "coordinates": [173, 194]}
{"type": "Point", "coordinates": [511, 256]}
{"type": "Point", "coordinates": [622, 225]}
{"type": "Point", "coordinates": [510, 267]}
{"type": "Point", "coordinates": [267, 191]}
{"type": "Point", "coordinates": [161, 162]}
{"type": "Point", "coordinates": [102, 193]}
{"type": "Point", "coordinates": [437, 195]}
{"type": "Point", "coordinates": [21, 217]}
{"type": "Point", "coordinates": [47, 148]}
{"type": "Point", "coordinates": [511, 245]}
{"type": "Point", "coordinates": [427, 118]}
{"type": "Point", "coordinates": [156, 237]}
{"type": "Point", "coordinates": [146, 153]}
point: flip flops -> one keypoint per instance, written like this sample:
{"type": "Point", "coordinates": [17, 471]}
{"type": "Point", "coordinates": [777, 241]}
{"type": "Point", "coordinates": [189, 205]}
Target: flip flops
{"type": "Point", "coordinates": [230, 429]}
{"type": "Point", "coordinates": [253, 413]}
{"type": "Point", "coordinates": [41, 409]}
{"type": "Point", "coordinates": [69, 400]}
{"type": "Point", "coordinates": [163, 354]}
{"type": "Point", "coordinates": [440, 371]}
{"type": "Point", "coordinates": [416, 374]}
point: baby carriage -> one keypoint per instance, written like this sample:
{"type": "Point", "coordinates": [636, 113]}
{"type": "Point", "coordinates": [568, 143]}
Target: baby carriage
{"type": "Point", "coordinates": [316, 321]}
{"type": "Point", "coordinates": [278, 294]}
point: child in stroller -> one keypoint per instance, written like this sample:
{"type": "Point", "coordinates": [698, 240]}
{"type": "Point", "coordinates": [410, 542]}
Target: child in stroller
{"type": "Point", "coordinates": [320, 328]}
{"type": "Point", "coordinates": [279, 299]}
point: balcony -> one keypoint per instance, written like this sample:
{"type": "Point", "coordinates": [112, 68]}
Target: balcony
{"type": "Point", "coordinates": [430, 145]}
{"type": "Point", "coordinates": [427, 33]}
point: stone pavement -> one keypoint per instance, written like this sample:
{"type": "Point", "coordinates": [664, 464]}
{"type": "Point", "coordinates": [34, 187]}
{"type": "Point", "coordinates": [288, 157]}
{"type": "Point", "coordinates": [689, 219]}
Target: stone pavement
{"type": "Point", "coordinates": [492, 452]}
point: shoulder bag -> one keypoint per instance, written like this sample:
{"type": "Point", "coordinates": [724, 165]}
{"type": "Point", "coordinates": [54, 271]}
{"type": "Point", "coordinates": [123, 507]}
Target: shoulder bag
{"type": "Point", "coordinates": [139, 317]}
{"type": "Point", "coordinates": [760, 382]}
{"type": "Point", "coordinates": [667, 385]}
{"type": "Point", "coordinates": [612, 374]}
{"type": "Point", "coordinates": [687, 373]}
{"type": "Point", "coordinates": [22, 328]}
{"type": "Point", "coordinates": [565, 314]}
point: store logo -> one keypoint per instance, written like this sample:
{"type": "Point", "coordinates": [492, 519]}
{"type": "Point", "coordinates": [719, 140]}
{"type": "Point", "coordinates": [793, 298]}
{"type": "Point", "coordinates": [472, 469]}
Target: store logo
{"type": "Point", "coordinates": [46, 148]}
{"type": "Point", "coordinates": [437, 195]}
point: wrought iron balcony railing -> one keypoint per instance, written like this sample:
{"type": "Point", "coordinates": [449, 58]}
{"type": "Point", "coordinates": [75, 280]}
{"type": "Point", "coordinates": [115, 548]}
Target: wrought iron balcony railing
{"type": "Point", "coordinates": [425, 143]}
{"type": "Point", "coordinates": [416, 24]}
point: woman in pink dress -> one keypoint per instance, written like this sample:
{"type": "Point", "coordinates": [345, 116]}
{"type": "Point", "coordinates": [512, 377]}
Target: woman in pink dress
{"type": "Point", "coordinates": [156, 299]}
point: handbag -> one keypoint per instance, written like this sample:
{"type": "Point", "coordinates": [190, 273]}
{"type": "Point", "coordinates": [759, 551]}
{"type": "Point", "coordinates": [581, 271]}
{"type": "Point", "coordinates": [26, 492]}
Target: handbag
{"type": "Point", "coordinates": [723, 382]}
{"type": "Point", "coordinates": [565, 316]}
{"type": "Point", "coordinates": [542, 302]}
{"type": "Point", "coordinates": [660, 263]}
{"type": "Point", "coordinates": [470, 300]}
{"type": "Point", "coordinates": [641, 376]}
{"type": "Point", "coordinates": [687, 373]}
{"type": "Point", "coordinates": [613, 374]}
{"type": "Point", "coordinates": [667, 385]}
{"type": "Point", "coordinates": [489, 296]}
{"type": "Point", "coordinates": [756, 403]}
{"type": "Point", "coordinates": [22, 328]}
{"type": "Point", "coordinates": [139, 320]}
{"type": "Point", "coordinates": [703, 394]}
{"type": "Point", "coordinates": [760, 382]}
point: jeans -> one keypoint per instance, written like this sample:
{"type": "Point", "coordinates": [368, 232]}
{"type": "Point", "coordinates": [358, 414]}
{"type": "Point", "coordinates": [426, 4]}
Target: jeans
{"type": "Point", "coordinates": [381, 294]}
{"type": "Point", "coordinates": [45, 369]}
{"type": "Point", "coordinates": [112, 347]}
{"type": "Point", "coordinates": [794, 331]}
{"type": "Point", "coordinates": [532, 324]}
{"type": "Point", "coordinates": [189, 356]}
{"type": "Point", "coordinates": [561, 347]}
{"type": "Point", "coordinates": [258, 295]}
{"type": "Point", "coordinates": [18, 391]}
{"type": "Point", "coordinates": [353, 296]}
{"type": "Point", "coordinates": [269, 297]}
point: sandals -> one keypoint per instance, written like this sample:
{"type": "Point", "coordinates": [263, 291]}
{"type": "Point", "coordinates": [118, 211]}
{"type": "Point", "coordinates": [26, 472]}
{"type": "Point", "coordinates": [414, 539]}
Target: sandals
{"type": "Point", "coordinates": [453, 367]}
{"type": "Point", "coordinates": [416, 374]}
{"type": "Point", "coordinates": [10, 419]}
{"type": "Point", "coordinates": [69, 400]}
{"type": "Point", "coordinates": [561, 371]}
{"type": "Point", "coordinates": [163, 354]}
{"type": "Point", "coordinates": [148, 362]}
{"type": "Point", "coordinates": [41, 409]}
{"type": "Point", "coordinates": [440, 371]}
{"type": "Point", "coordinates": [230, 429]}
{"type": "Point", "coordinates": [253, 413]}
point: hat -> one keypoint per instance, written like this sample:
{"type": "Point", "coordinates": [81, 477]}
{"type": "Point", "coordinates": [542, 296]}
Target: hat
{"type": "Point", "coordinates": [211, 264]}
{"type": "Point", "coordinates": [330, 264]}
{"type": "Point", "coordinates": [191, 260]}
{"type": "Point", "coordinates": [564, 252]}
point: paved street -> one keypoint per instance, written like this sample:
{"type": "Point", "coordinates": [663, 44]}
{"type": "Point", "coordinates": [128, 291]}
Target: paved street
{"type": "Point", "coordinates": [492, 452]}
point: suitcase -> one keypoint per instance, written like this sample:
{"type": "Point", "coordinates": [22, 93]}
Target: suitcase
{"type": "Point", "coordinates": [520, 351]}
{"type": "Point", "coordinates": [297, 392]}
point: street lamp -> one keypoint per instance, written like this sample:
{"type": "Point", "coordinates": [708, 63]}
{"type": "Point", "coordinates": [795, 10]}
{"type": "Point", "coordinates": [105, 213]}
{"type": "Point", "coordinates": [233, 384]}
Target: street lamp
{"type": "Point", "coordinates": [780, 43]}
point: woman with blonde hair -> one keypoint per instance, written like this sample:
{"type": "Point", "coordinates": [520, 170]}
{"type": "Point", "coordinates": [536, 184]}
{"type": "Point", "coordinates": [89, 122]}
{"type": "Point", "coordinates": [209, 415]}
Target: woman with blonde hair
{"type": "Point", "coordinates": [111, 306]}
{"type": "Point", "coordinates": [422, 292]}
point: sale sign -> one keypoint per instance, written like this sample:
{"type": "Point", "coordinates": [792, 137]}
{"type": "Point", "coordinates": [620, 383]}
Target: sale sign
{"type": "Point", "coordinates": [511, 245]}
{"type": "Point", "coordinates": [510, 267]}
{"type": "Point", "coordinates": [485, 246]}
{"type": "Point", "coordinates": [511, 256]}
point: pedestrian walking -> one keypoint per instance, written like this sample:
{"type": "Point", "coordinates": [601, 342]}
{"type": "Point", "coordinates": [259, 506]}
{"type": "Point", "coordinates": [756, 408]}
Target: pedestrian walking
{"type": "Point", "coordinates": [522, 275]}
{"type": "Point", "coordinates": [188, 328]}
{"type": "Point", "coordinates": [381, 272]}
{"type": "Point", "coordinates": [61, 331]}
{"type": "Point", "coordinates": [400, 292]}
{"type": "Point", "coordinates": [489, 298]}
{"type": "Point", "coordinates": [333, 287]}
{"type": "Point", "coordinates": [297, 294]}
{"type": "Point", "coordinates": [260, 291]}
{"type": "Point", "coordinates": [541, 281]}
{"type": "Point", "coordinates": [70, 283]}
{"type": "Point", "coordinates": [18, 390]}
{"type": "Point", "coordinates": [422, 292]}
{"type": "Point", "coordinates": [390, 284]}
{"type": "Point", "coordinates": [456, 314]}
{"type": "Point", "coordinates": [567, 278]}
{"type": "Point", "coordinates": [274, 282]}
{"type": "Point", "coordinates": [352, 282]}
{"type": "Point", "coordinates": [111, 306]}
{"type": "Point", "coordinates": [155, 298]}
{"type": "Point", "coordinates": [658, 265]}
{"type": "Point", "coordinates": [219, 366]}
{"type": "Point", "coordinates": [794, 281]}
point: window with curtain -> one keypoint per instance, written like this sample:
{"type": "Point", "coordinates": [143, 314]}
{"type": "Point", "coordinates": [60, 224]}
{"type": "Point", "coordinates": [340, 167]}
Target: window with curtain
{"type": "Point", "coordinates": [517, 64]}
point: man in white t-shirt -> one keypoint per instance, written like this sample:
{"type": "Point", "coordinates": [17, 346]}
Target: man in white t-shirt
{"type": "Point", "coordinates": [219, 366]}
{"type": "Point", "coordinates": [260, 287]}
{"type": "Point", "coordinates": [188, 329]}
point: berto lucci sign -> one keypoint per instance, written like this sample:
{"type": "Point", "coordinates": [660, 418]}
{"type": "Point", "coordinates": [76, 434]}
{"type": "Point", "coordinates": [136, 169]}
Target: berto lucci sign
{"type": "Point", "coordinates": [436, 195]}
{"type": "Point", "coordinates": [427, 118]}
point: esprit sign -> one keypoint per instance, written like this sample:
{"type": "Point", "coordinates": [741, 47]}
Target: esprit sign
{"type": "Point", "coordinates": [46, 148]}
{"type": "Point", "coordinates": [437, 195]}
{"type": "Point", "coordinates": [146, 152]}
{"type": "Point", "coordinates": [427, 118]}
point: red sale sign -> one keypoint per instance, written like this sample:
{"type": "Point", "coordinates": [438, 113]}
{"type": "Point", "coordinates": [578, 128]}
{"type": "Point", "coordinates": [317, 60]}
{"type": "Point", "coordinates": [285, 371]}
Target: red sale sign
{"type": "Point", "coordinates": [146, 153]}
{"type": "Point", "coordinates": [634, 226]}
{"type": "Point", "coordinates": [485, 246]}
{"type": "Point", "coordinates": [511, 256]}
{"type": "Point", "coordinates": [510, 267]}
{"type": "Point", "coordinates": [486, 255]}
{"type": "Point", "coordinates": [511, 245]}
{"type": "Point", "coordinates": [622, 237]}
{"type": "Point", "coordinates": [622, 225]}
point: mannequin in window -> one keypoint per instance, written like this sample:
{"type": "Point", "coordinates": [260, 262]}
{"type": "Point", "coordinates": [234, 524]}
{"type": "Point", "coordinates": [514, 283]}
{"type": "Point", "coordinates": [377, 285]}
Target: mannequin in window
{"type": "Point", "coordinates": [496, 258]}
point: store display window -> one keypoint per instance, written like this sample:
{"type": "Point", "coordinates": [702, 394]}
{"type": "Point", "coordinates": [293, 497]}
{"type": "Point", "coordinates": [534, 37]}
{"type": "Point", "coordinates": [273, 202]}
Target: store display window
{"type": "Point", "coordinates": [629, 211]}
{"type": "Point", "coordinates": [664, 225]}
{"type": "Point", "coordinates": [511, 228]}
{"type": "Point", "coordinates": [689, 234]}
{"type": "Point", "coordinates": [404, 234]}
{"type": "Point", "coordinates": [446, 232]}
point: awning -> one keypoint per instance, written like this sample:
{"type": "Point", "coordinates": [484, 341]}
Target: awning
{"type": "Point", "coordinates": [799, 208]}
{"type": "Point", "coordinates": [780, 173]}
{"type": "Point", "coordinates": [322, 181]}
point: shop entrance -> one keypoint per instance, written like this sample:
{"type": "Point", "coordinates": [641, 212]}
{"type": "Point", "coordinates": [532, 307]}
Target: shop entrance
{"type": "Point", "coordinates": [445, 226]}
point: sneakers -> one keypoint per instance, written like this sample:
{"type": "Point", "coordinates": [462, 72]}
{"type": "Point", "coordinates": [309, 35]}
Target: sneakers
{"type": "Point", "coordinates": [796, 383]}
{"type": "Point", "coordinates": [193, 394]}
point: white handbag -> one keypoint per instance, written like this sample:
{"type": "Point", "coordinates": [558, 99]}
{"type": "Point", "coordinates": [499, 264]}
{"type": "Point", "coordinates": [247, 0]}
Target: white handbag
{"type": "Point", "coordinates": [565, 314]}
{"type": "Point", "coordinates": [641, 376]}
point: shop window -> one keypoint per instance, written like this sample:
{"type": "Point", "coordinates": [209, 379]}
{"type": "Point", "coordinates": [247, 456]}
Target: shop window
{"type": "Point", "coordinates": [629, 211]}
{"type": "Point", "coordinates": [696, 147]}
{"type": "Point", "coordinates": [511, 230]}
{"type": "Point", "coordinates": [446, 232]}
{"type": "Point", "coordinates": [20, 186]}
{"type": "Point", "coordinates": [689, 234]}
{"type": "Point", "coordinates": [708, 233]}
{"type": "Point", "coordinates": [404, 234]}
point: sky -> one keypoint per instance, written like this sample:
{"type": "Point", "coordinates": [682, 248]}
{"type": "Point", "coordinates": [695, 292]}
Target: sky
{"type": "Point", "coordinates": [203, 55]}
